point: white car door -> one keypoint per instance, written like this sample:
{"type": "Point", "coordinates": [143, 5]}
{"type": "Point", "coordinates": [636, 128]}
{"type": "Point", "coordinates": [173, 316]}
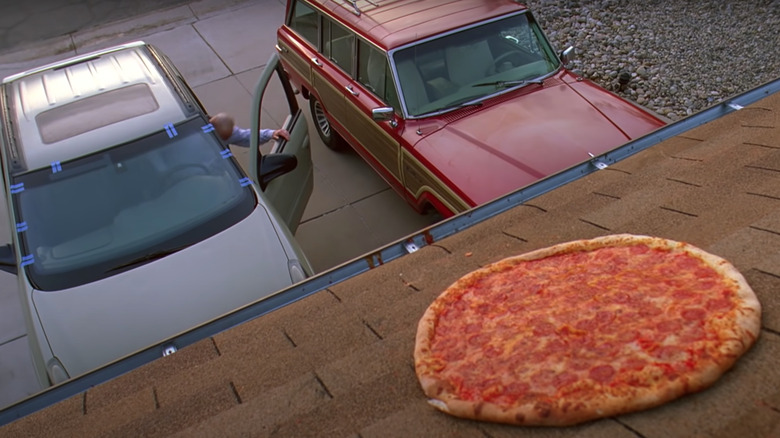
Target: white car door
{"type": "Point", "coordinates": [275, 106]}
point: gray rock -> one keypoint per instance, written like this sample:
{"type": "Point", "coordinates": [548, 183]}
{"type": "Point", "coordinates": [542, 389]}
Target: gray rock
{"type": "Point", "coordinates": [687, 56]}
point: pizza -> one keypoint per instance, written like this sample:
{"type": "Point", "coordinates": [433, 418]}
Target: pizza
{"type": "Point", "coordinates": [584, 330]}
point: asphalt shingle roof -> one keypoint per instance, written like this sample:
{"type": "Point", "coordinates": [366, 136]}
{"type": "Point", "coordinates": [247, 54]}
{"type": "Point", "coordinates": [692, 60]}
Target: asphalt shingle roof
{"type": "Point", "coordinates": [339, 362]}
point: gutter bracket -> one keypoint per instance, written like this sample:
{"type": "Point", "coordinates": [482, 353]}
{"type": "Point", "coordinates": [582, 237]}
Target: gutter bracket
{"type": "Point", "coordinates": [600, 165]}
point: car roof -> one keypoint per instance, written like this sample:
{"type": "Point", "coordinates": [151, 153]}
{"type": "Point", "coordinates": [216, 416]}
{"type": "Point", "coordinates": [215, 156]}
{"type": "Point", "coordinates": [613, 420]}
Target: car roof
{"type": "Point", "coordinates": [339, 362]}
{"type": "Point", "coordinates": [394, 23]}
{"type": "Point", "coordinates": [86, 103]}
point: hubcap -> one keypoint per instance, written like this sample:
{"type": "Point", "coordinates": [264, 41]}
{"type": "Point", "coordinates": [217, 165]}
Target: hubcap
{"type": "Point", "coordinates": [322, 120]}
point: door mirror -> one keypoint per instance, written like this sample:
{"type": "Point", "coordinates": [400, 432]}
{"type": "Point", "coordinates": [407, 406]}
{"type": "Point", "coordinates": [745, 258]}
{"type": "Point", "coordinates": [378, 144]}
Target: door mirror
{"type": "Point", "coordinates": [275, 165]}
{"type": "Point", "coordinates": [383, 114]}
{"type": "Point", "coordinates": [8, 259]}
{"type": "Point", "coordinates": [567, 55]}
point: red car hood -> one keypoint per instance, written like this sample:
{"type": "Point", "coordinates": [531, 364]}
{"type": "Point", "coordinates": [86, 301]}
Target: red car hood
{"type": "Point", "coordinates": [506, 146]}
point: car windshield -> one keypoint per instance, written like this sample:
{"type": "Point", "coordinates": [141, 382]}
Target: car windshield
{"type": "Point", "coordinates": [102, 214]}
{"type": "Point", "coordinates": [442, 73]}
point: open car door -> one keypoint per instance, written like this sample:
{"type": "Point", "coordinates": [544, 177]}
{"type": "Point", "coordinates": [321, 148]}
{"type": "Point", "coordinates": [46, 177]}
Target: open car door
{"type": "Point", "coordinates": [286, 182]}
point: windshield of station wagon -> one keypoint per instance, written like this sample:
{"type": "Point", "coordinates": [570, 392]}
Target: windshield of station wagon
{"type": "Point", "coordinates": [440, 74]}
{"type": "Point", "coordinates": [99, 215]}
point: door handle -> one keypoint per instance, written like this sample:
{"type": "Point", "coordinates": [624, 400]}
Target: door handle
{"type": "Point", "coordinates": [352, 90]}
{"type": "Point", "coordinates": [316, 62]}
{"type": "Point", "coordinates": [282, 49]}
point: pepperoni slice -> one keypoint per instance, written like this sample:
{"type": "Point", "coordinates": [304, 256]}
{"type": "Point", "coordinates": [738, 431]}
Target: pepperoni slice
{"type": "Point", "coordinates": [634, 363]}
{"type": "Point", "coordinates": [605, 317]}
{"type": "Point", "coordinates": [517, 388]}
{"type": "Point", "coordinates": [694, 314]}
{"type": "Point", "coordinates": [473, 328]}
{"type": "Point", "coordinates": [649, 311]}
{"type": "Point", "coordinates": [606, 349]}
{"type": "Point", "coordinates": [479, 339]}
{"type": "Point", "coordinates": [705, 273]}
{"type": "Point", "coordinates": [578, 364]}
{"type": "Point", "coordinates": [542, 378]}
{"type": "Point", "coordinates": [602, 373]}
{"type": "Point", "coordinates": [627, 336]}
{"type": "Point", "coordinates": [692, 334]}
{"type": "Point", "coordinates": [556, 346]}
{"type": "Point", "coordinates": [491, 351]}
{"type": "Point", "coordinates": [669, 325]}
{"type": "Point", "coordinates": [564, 378]}
{"type": "Point", "coordinates": [543, 328]}
{"type": "Point", "coordinates": [720, 305]}
{"type": "Point", "coordinates": [685, 263]}
{"type": "Point", "coordinates": [587, 324]}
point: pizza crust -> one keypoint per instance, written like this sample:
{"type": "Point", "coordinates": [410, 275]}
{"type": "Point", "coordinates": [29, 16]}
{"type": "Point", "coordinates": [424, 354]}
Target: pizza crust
{"type": "Point", "coordinates": [604, 402]}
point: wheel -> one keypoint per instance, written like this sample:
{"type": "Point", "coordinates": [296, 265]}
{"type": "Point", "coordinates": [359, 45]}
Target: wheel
{"type": "Point", "coordinates": [331, 138]}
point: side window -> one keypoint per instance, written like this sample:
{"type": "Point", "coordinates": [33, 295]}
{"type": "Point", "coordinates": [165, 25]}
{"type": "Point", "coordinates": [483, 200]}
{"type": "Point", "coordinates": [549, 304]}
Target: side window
{"type": "Point", "coordinates": [374, 73]}
{"type": "Point", "coordinates": [305, 21]}
{"type": "Point", "coordinates": [338, 45]}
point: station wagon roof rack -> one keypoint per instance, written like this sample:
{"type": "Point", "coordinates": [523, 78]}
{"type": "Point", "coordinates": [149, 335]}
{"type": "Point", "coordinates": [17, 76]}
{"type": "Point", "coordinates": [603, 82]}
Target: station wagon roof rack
{"type": "Point", "coordinates": [356, 9]}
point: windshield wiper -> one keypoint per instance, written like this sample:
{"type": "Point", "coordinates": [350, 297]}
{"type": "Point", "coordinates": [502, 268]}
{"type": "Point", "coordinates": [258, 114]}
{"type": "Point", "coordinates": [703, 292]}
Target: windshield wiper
{"type": "Point", "coordinates": [148, 258]}
{"type": "Point", "coordinates": [450, 108]}
{"type": "Point", "coordinates": [504, 84]}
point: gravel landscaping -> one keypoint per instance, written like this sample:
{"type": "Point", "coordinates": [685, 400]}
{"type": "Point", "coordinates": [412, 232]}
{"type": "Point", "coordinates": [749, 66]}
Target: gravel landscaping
{"type": "Point", "coordinates": [681, 56]}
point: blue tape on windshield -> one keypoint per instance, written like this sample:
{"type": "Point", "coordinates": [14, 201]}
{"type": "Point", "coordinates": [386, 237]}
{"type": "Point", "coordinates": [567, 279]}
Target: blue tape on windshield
{"type": "Point", "coordinates": [22, 226]}
{"type": "Point", "coordinates": [17, 188]}
{"type": "Point", "coordinates": [56, 167]}
{"type": "Point", "coordinates": [245, 181]}
{"type": "Point", "coordinates": [171, 130]}
{"type": "Point", "coordinates": [207, 128]}
{"type": "Point", "coordinates": [27, 260]}
{"type": "Point", "coordinates": [226, 153]}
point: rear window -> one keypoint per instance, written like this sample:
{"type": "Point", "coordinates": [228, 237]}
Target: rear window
{"type": "Point", "coordinates": [95, 112]}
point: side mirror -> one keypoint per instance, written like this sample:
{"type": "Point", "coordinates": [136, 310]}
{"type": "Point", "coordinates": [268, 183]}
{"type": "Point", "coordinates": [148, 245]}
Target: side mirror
{"type": "Point", "coordinates": [8, 259]}
{"type": "Point", "coordinates": [275, 165]}
{"type": "Point", "coordinates": [383, 114]}
{"type": "Point", "coordinates": [567, 55]}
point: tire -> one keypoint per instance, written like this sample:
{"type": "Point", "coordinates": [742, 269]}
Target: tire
{"type": "Point", "coordinates": [321, 123]}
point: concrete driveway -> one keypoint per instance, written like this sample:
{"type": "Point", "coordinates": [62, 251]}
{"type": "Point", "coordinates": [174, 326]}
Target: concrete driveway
{"type": "Point", "coordinates": [220, 48]}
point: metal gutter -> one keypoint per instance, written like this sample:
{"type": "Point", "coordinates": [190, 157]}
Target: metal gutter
{"type": "Point", "coordinates": [383, 255]}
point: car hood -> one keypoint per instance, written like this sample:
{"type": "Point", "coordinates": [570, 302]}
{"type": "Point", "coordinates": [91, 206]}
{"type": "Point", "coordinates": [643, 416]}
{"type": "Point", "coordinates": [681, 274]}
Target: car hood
{"type": "Point", "coordinates": [502, 147]}
{"type": "Point", "coordinates": [96, 323]}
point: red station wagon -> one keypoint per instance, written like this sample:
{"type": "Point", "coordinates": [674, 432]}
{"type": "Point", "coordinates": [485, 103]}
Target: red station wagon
{"type": "Point", "coordinates": [454, 102]}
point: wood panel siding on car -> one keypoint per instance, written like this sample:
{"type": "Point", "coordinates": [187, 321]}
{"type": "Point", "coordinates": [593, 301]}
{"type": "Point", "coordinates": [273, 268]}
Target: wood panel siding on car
{"type": "Point", "coordinates": [419, 180]}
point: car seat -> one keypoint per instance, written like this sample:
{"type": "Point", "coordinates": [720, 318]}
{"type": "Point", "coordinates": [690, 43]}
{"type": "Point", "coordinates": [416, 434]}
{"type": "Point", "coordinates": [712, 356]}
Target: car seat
{"type": "Point", "coordinates": [468, 63]}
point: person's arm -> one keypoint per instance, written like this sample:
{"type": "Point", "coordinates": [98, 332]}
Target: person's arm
{"type": "Point", "coordinates": [265, 135]}
{"type": "Point", "coordinates": [240, 137]}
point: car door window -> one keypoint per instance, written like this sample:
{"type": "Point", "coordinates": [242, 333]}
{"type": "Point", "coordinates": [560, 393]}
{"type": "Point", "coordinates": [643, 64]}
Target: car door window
{"type": "Point", "coordinates": [374, 73]}
{"type": "Point", "coordinates": [338, 45]}
{"type": "Point", "coordinates": [305, 21]}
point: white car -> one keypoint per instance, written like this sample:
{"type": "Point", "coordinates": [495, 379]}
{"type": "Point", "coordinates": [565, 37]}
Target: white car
{"type": "Point", "coordinates": [131, 220]}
